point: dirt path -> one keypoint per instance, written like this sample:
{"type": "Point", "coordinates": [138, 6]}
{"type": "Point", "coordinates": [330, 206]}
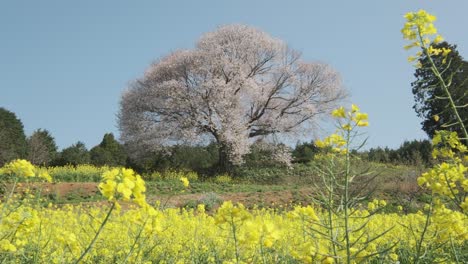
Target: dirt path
{"type": "Point", "coordinates": [77, 191]}
{"type": "Point", "coordinates": [88, 194]}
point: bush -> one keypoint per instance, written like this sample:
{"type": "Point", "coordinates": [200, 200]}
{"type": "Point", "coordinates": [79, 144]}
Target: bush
{"type": "Point", "coordinates": [171, 175]}
{"type": "Point", "coordinates": [79, 173]}
{"type": "Point", "coordinates": [223, 178]}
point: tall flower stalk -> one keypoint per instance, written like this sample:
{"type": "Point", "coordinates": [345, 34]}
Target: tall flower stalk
{"type": "Point", "coordinates": [118, 183]}
{"type": "Point", "coordinates": [419, 29]}
{"type": "Point", "coordinates": [339, 201]}
{"type": "Point", "coordinates": [446, 181]}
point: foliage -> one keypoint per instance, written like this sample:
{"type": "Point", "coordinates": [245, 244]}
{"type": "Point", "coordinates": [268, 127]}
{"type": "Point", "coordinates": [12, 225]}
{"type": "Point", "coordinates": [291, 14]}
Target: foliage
{"type": "Point", "coordinates": [74, 155]}
{"type": "Point", "coordinates": [266, 154]}
{"type": "Point", "coordinates": [223, 178]}
{"type": "Point", "coordinates": [109, 152]}
{"type": "Point", "coordinates": [78, 173]}
{"type": "Point", "coordinates": [171, 175]}
{"type": "Point", "coordinates": [238, 83]}
{"type": "Point", "coordinates": [185, 157]}
{"type": "Point", "coordinates": [12, 139]}
{"type": "Point", "coordinates": [305, 152]}
{"type": "Point", "coordinates": [178, 157]}
{"type": "Point", "coordinates": [262, 175]}
{"type": "Point", "coordinates": [42, 149]}
{"type": "Point", "coordinates": [415, 152]}
{"type": "Point", "coordinates": [431, 102]}
{"type": "Point", "coordinates": [208, 201]}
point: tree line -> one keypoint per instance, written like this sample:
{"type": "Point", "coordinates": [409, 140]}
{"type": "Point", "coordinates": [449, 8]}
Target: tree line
{"type": "Point", "coordinates": [40, 148]}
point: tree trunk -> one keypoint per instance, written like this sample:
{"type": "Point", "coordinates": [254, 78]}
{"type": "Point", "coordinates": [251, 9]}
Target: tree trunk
{"type": "Point", "coordinates": [224, 164]}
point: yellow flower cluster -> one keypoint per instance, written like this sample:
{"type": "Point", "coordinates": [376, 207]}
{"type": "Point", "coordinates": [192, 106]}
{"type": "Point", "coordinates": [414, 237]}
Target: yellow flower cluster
{"type": "Point", "coordinates": [446, 146]}
{"type": "Point", "coordinates": [347, 122]}
{"type": "Point", "coordinates": [229, 213]}
{"type": "Point", "coordinates": [419, 29]}
{"type": "Point", "coordinates": [306, 213]}
{"type": "Point", "coordinates": [449, 178]}
{"type": "Point", "coordinates": [23, 168]}
{"type": "Point", "coordinates": [172, 175]}
{"type": "Point", "coordinates": [419, 24]}
{"type": "Point", "coordinates": [376, 204]}
{"type": "Point", "coordinates": [335, 141]}
{"type": "Point", "coordinates": [445, 178]}
{"type": "Point", "coordinates": [125, 184]}
{"type": "Point", "coordinates": [353, 117]}
{"type": "Point", "coordinates": [78, 173]}
{"type": "Point", "coordinates": [223, 178]}
{"type": "Point", "coordinates": [185, 181]}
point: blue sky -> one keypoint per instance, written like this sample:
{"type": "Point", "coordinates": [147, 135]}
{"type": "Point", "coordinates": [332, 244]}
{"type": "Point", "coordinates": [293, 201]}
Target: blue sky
{"type": "Point", "coordinates": [64, 64]}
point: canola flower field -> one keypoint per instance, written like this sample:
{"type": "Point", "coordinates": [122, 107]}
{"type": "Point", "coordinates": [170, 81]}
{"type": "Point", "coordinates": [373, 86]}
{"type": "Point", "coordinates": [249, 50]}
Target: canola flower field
{"type": "Point", "coordinates": [337, 228]}
{"type": "Point", "coordinates": [145, 234]}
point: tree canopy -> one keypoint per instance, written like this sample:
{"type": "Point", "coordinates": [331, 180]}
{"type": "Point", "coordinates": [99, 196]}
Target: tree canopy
{"type": "Point", "coordinates": [108, 152]}
{"type": "Point", "coordinates": [74, 155]}
{"type": "Point", "coordinates": [42, 149]}
{"type": "Point", "coordinates": [237, 84]}
{"type": "Point", "coordinates": [12, 138]}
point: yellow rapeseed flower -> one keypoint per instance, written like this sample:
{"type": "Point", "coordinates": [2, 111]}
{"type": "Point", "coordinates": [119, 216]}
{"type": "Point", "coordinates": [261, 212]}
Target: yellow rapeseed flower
{"type": "Point", "coordinates": [24, 168]}
{"type": "Point", "coordinates": [328, 260]}
{"type": "Point", "coordinates": [185, 181]}
{"type": "Point", "coordinates": [123, 183]}
{"type": "Point", "coordinates": [421, 32]}
{"type": "Point", "coordinates": [339, 113]}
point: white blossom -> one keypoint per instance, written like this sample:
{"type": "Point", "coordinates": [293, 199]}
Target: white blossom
{"type": "Point", "coordinates": [237, 84]}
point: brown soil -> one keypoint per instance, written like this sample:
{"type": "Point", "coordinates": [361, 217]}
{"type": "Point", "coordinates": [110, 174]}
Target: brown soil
{"type": "Point", "coordinates": [63, 189]}
{"type": "Point", "coordinates": [74, 192]}
{"type": "Point", "coordinates": [249, 199]}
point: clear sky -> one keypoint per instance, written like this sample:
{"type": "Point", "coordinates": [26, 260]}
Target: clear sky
{"type": "Point", "coordinates": [64, 64]}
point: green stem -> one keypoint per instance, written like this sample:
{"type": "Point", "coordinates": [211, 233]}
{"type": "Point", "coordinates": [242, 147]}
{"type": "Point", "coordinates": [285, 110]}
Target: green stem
{"type": "Point", "coordinates": [97, 234]}
{"type": "Point", "coordinates": [37, 249]}
{"type": "Point", "coordinates": [456, 201]}
{"type": "Point", "coordinates": [454, 250]}
{"type": "Point", "coordinates": [346, 200]}
{"type": "Point", "coordinates": [423, 234]}
{"type": "Point", "coordinates": [330, 216]}
{"type": "Point", "coordinates": [136, 240]}
{"type": "Point", "coordinates": [234, 234]}
{"type": "Point", "coordinates": [5, 206]}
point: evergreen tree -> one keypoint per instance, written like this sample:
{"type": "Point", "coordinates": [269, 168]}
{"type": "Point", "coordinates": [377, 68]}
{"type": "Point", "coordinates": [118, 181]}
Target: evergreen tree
{"type": "Point", "coordinates": [431, 103]}
{"type": "Point", "coordinates": [108, 152]}
{"type": "Point", "coordinates": [304, 152]}
{"type": "Point", "coordinates": [12, 138]}
{"type": "Point", "coordinates": [74, 155]}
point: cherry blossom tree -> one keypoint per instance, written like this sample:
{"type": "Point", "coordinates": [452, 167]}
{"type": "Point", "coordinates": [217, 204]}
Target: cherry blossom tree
{"type": "Point", "coordinates": [237, 84]}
